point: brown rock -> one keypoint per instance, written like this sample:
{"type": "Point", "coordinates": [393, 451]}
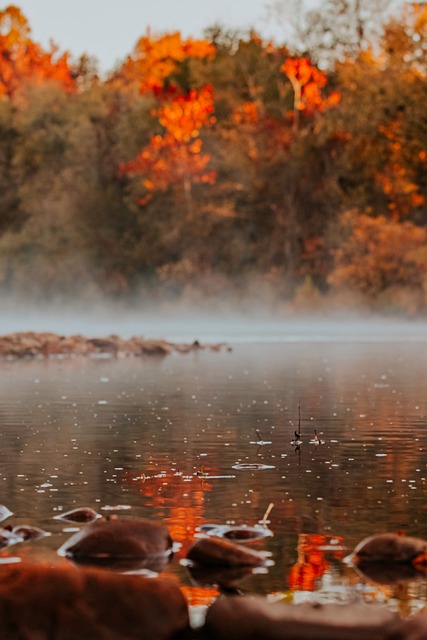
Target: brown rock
{"type": "Point", "coordinates": [81, 515]}
{"type": "Point", "coordinates": [29, 532]}
{"type": "Point", "coordinates": [245, 618]}
{"type": "Point", "coordinates": [40, 602]}
{"type": "Point", "coordinates": [121, 543]}
{"type": "Point", "coordinates": [413, 629]}
{"type": "Point", "coordinates": [389, 547]}
{"type": "Point", "coordinates": [216, 552]}
{"type": "Point", "coordinates": [31, 345]}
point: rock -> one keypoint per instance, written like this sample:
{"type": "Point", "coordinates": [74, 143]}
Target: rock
{"type": "Point", "coordinates": [43, 345]}
{"type": "Point", "coordinates": [8, 538]}
{"type": "Point", "coordinates": [390, 548]}
{"type": "Point", "coordinates": [246, 618]}
{"type": "Point", "coordinates": [122, 543]}
{"type": "Point", "coordinates": [216, 552]}
{"type": "Point", "coordinates": [65, 603]}
{"type": "Point", "coordinates": [28, 532]}
{"type": "Point", "coordinates": [413, 629]}
{"type": "Point", "coordinates": [225, 578]}
{"type": "Point", "coordinates": [79, 515]}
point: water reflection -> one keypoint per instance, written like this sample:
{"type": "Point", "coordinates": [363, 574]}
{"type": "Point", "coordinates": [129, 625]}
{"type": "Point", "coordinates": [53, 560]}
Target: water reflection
{"type": "Point", "coordinates": [172, 439]}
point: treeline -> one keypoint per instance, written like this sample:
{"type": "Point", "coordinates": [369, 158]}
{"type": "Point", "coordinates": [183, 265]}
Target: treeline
{"type": "Point", "coordinates": [228, 166]}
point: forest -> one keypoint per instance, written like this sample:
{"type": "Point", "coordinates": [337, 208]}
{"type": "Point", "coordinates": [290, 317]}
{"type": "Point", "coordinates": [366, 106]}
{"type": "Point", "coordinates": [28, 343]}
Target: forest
{"type": "Point", "coordinates": [224, 168]}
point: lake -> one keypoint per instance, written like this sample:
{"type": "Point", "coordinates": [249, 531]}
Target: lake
{"type": "Point", "coordinates": [207, 438]}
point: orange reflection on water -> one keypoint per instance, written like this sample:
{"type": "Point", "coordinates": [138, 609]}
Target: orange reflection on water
{"type": "Point", "coordinates": [179, 499]}
{"type": "Point", "coordinates": [311, 563]}
{"type": "Point", "coordinates": [199, 596]}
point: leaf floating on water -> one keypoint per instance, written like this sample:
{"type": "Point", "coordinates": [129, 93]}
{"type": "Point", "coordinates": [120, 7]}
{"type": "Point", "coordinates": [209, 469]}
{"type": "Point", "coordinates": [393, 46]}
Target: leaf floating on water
{"type": "Point", "coordinates": [28, 532]}
{"type": "Point", "coordinates": [82, 514]}
{"type": "Point", "coordinates": [4, 513]}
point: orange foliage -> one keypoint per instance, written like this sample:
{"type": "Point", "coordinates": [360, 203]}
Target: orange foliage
{"type": "Point", "coordinates": [24, 61]}
{"type": "Point", "coordinates": [247, 113]}
{"type": "Point", "coordinates": [379, 253]}
{"type": "Point", "coordinates": [176, 156]}
{"type": "Point", "coordinates": [155, 59]}
{"type": "Point", "coordinates": [307, 82]}
{"type": "Point", "coordinates": [184, 117]}
{"type": "Point", "coordinates": [395, 180]}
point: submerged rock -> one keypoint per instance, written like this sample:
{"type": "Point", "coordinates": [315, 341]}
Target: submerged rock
{"type": "Point", "coordinates": [122, 543]}
{"type": "Point", "coordinates": [253, 618]}
{"type": "Point", "coordinates": [216, 552]}
{"type": "Point", "coordinates": [65, 603]}
{"type": "Point", "coordinates": [79, 515]}
{"type": "Point", "coordinates": [29, 532]}
{"type": "Point", "coordinates": [8, 538]}
{"type": "Point", "coordinates": [225, 578]}
{"type": "Point", "coordinates": [390, 548]}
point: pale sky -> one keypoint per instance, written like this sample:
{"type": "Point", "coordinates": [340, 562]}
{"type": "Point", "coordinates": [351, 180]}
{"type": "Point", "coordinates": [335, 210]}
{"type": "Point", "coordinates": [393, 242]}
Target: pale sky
{"type": "Point", "coordinates": [109, 29]}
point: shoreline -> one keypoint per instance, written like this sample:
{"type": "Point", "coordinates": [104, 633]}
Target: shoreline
{"type": "Point", "coordinates": [32, 344]}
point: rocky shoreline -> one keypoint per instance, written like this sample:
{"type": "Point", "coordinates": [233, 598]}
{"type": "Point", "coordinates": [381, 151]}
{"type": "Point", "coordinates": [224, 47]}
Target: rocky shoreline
{"type": "Point", "coordinates": [15, 346]}
{"type": "Point", "coordinates": [108, 588]}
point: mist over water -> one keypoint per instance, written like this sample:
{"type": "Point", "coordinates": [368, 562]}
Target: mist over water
{"type": "Point", "coordinates": [177, 323]}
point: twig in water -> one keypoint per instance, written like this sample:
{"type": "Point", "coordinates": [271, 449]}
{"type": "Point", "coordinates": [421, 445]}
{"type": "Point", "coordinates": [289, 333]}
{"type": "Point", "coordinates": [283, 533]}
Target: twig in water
{"type": "Point", "coordinates": [264, 519]}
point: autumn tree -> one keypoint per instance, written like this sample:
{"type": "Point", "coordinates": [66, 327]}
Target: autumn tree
{"type": "Point", "coordinates": [23, 61]}
{"type": "Point", "coordinates": [157, 60]}
{"type": "Point", "coordinates": [377, 255]}
{"type": "Point", "coordinates": [176, 158]}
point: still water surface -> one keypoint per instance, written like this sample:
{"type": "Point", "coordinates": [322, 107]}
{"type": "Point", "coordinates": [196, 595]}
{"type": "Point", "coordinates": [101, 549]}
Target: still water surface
{"type": "Point", "coordinates": [167, 439]}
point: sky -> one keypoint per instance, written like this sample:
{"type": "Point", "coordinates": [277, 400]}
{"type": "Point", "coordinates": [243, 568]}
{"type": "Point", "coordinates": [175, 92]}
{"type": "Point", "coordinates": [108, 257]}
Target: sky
{"type": "Point", "coordinates": [109, 29]}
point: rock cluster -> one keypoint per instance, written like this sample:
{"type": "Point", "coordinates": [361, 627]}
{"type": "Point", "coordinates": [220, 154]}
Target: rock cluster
{"type": "Point", "coordinates": [68, 600]}
{"type": "Point", "coordinates": [44, 345]}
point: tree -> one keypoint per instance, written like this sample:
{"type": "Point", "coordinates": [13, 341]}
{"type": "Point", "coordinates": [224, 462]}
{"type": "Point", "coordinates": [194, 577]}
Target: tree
{"type": "Point", "coordinates": [25, 62]}
{"type": "Point", "coordinates": [175, 157]}
{"type": "Point", "coordinates": [377, 254]}
{"type": "Point", "coordinates": [334, 30]}
{"type": "Point", "coordinates": [155, 60]}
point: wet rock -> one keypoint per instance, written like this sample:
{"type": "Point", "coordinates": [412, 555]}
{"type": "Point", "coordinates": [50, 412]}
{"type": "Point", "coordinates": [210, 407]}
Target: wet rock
{"type": "Point", "coordinates": [8, 538]}
{"type": "Point", "coordinates": [390, 548]}
{"type": "Point", "coordinates": [242, 533]}
{"type": "Point", "coordinates": [246, 618]}
{"type": "Point", "coordinates": [29, 532]}
{"type": "Point", "coordinates": [216, 552]}
{"type": "Point", "coordinates": [413, 629]}
{"type": "Point", "coordinates": [65, 603]}
{"type": "Point", "coordinates": [225, 578]}
{"type": "Point", "coordinates": [122, 543]}
{"type": "Point", "coordinates": [32, 345]}
{"type": "Point", "coordinates": [80, 515]}
{"type": "Point", "coordinates": [389, 573]}
{"type": "Point", "coordinates": [105, 345]}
